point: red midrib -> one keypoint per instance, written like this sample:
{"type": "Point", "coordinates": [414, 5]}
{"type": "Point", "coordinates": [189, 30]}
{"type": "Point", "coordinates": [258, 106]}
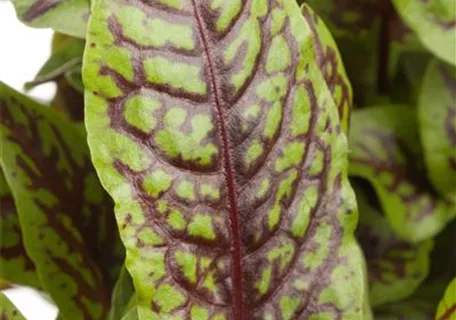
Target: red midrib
{"type": "Point", "coordinates": [236, 255]}
{"type": "Point", "coordinates": [448, 313]}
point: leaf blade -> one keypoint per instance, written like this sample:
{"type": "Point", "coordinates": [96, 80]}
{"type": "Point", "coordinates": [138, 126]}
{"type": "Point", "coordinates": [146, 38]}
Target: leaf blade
{"type": "Point", "coordinates": [383, 146]}
{"type": "Point", "coordinates": [395, 267]}
{"type": "Point", "coordinates": [447, 306]}
{"type": "Point", "coordinates": [68, 17]}
{"type": "Point", "coordinates": [160, 128]}
{"type": "Point", "coordinates": [434, 22]}
{"type": "Point", "coordinates": [16, 266]}
{"type": "Point", "coordinates": [46, 164]}
{"type": "Point", "coordinates": [436, 113]}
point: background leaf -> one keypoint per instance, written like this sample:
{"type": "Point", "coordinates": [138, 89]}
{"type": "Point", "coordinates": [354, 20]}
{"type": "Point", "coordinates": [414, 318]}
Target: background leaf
{"type": "Point", "coordinates": [434, 21]}
{"type": "Point", "coordinates": [355, 25]}
{"type": "Point", "coordinates": [437, 118]}
{"type": "Point", "coordinates": [65, 16]}
{"type": "Point", "coordinates": [395, 267]}
{"type": "Point", "coordinates": [16, 266]}
{"type": "Point", "coordinates": [66, 218]}
{"type": "Point", "coordinates": [8, 310]}
{"type": "Point", "coordinates": [447, 306]}
{"type": "Point", "coordinates": [186, 103]}
{"type": "Point", "coordinates": [384, 148]}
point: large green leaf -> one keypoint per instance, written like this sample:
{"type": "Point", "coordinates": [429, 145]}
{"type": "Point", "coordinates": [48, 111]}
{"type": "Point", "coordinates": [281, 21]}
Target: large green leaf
{"type": "Point", "coordinates": [437, 118]}
{"type": "Point", "coordinates": [411, 309]}
{"type": "Point", "coordinates": [15, 264]}
{"type": "Point", "coordinates": [447, 306]}
{"type": "Point", "coordinates": [331, 66]}
{"type": "Point", "coordinates": [65, 16]}
{"type": "Point", "coordinates": [8, 310]}
{"type": "Point", "coordinates": [67, 220]}
{"type": "Point", "coordinates": [434, 21]}
{"type": "Point", "coordinates": [384, 150]}
{"type": "Point", "coordinates": [212, 127]}
{"type": "Point", "coordinates": [395, 267]}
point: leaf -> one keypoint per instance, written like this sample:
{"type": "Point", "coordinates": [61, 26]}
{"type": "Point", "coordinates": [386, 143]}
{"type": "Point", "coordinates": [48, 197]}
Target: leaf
{"type": "Point", "coordinates": [395, 267]}
{"type": "Point", "coordinates": [62, 60]}
{"type": "Point", "coordinates": [66, 218]}
{"type": "Point", "coordinates": [447, 306]}
{"type": "Point", "coordinates": [65, 16]}
{"type": "Point", "coordinates": [330, 64]}
{"type": "Point", "coordinates": [8, 310]}
{"type": "Point", "coordinates": [131, 315]}
{"type": "Point", "coordinates": [355, 27]}
{"type": "Point", "coordinates": [122, 295]}
{"type": "Point", "coordinates": [437, 119]}
{"type": "Point", "coordinates": [352, 18]}
{"type": "Point", "coordinates": [74, 77]}
{"type": "Point", "coordinates": [434, 22]}
{"type": "Point", "coordinates": [211, 126]}
{"type": "Point", "coordinates": [384, 150]}
{"type": "Point", "coordinates": [409, 309]}
{"type": "Point", "coordinates": [16, 266]}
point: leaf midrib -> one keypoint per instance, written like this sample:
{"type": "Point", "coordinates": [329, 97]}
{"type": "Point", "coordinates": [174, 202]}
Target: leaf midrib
{"type": "Point", "coordinates": [235, 250]}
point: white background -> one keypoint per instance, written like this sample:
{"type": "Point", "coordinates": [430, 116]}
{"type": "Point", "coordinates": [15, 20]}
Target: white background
{"type": "Point", "coordinates": [23, 50]}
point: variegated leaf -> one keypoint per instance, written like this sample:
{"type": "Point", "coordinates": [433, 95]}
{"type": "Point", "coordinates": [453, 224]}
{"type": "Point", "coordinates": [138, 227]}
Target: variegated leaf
{"type": "Point", "coordinates": [384, 148]}
{"type": "Point", "coordinates": [331, 66]}
{"type": "Point", "coordinates": [67, 221]}
{"type": "Point", "coordinates": [212, 127]}
{"type": "Point", "coordinates": [395, 267]}
{"type": "Point", "coordinates": [65, 16]}
{"type": "Point", "coordinates": [447, 306]}
{"type": "Point", "coordinates": [15, 264]}
{"type": "Point", "coordinates": [437, 119]}
{"type": "Point", "coordinates": [8, 310]}
{"type": "Point", "coordinates": [434, 21]}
